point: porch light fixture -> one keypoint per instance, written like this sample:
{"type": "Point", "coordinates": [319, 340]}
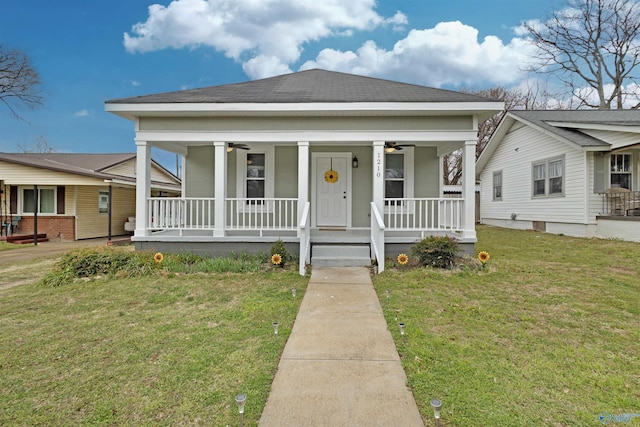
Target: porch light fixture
{"type": "Point", "coordinates": [389, 149]}
{"type": "Point", "coordinates": [240, 401]}
{"type": "Point", "coordinates": [436, 405]}
{"type": "Point", "coordinates": [354, 162]}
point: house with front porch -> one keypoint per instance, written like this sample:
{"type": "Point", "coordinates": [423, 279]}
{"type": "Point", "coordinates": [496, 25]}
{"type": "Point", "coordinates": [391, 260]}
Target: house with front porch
{"type": "Point", "coordinates": [318, 159]}
{"type": "Point", "coordinates": [565, 172]}
{"type": "Point", "coordinates": [73, 196]}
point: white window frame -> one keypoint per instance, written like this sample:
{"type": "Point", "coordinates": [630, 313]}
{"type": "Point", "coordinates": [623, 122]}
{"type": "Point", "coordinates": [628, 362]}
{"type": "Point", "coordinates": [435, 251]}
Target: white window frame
{"type": "Point", "coordinates": [40, 189]}
{"type": "Point", "coordinates": [408, 156]}
{"type": "Point", "coordinates": [269, 173]}
{"type": "Point", "coordinates": [546, 164]}
{"type": "Point", "coordinates": [102, 193]}
{"type": "Point", "coordinates": [629, 172]}
{"type": "Point", "coordinates": [494, 186]}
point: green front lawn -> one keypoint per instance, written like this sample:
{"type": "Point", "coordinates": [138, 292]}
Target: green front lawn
{"type": "Point", "coordinates": [547, 334]}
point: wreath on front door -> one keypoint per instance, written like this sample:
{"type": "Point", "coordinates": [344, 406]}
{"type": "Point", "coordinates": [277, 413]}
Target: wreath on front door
{"type": "Point", "coordinates": [331, 176]}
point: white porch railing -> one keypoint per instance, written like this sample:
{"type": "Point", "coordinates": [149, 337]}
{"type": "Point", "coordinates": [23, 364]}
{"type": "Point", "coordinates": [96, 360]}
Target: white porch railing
{"type": "Point", "coordinates": [377, 236]}
{"type": "Point", "coordinates": [166, 213]}
{"type": "Point", "coordinates": [262, 214]}
{"type": "Point", "coordinates": [305, 238]}
{"type": "Point", "coordinates": [414, 214]}
{"type": "Point", "coordinates": [191, 213]}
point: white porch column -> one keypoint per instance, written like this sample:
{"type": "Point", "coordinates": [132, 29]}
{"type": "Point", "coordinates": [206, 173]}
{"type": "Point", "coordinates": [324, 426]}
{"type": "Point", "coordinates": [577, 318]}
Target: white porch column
{"type": "Point", "coordinates": [220, 219]}
{"type": "Point", "coordinates": [143, 187]}
{"type": "Point", "coordinates": [378, 175]}
{"type": "Point", "coordinates": [469, 189]}
{"type": "Point", "coordinates": [303, 177]}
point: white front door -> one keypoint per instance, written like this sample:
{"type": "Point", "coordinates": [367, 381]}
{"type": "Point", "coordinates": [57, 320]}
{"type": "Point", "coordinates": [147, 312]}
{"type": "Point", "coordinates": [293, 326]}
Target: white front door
{"type": "Point", "coordinates": [332, 175]}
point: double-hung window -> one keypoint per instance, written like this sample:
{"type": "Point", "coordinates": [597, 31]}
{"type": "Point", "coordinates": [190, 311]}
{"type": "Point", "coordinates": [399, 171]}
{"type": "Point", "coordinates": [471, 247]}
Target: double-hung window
{"type": "Point", "coordinates": [46, 200]}
{"type": "Point", "coordinates": [394, 178]}
{"type": "Point", "coordinates": [256, 177]}
{"type": "Point", "coordinates": [621, 170]}
{"type": "Point", "coordinates": [103, 202]}
{"type": "Point", "coordinates": [398, 179]}
{"type": "Point", "coordinates": [497, 185]}
{"type": "Point", "coordinates": [255, 174]}
{"type": "Point", "coordinates": [548, 177]}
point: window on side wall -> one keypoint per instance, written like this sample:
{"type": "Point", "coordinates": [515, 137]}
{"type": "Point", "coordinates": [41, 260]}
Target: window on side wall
{"type": "Point", "coordinates": [46, 200]}
{"type": "Point", "coordinates": [548, 177]}
{"type": "Point", "coordinates": [497, 185]}
{"type": "Point", "coordinates": [103, 202]}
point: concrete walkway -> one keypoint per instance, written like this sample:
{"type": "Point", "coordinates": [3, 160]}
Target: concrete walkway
{"type": "Point", "coordinates": [340, 366]}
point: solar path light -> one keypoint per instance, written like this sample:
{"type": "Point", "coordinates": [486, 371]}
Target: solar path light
{"type": "Point", "coordinates": [436, 405]}
{"type": "Point", "coordinates": [240, 401]}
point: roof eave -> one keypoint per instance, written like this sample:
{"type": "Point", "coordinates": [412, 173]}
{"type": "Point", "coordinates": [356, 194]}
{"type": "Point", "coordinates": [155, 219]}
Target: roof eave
{"type": "Point", "coordinates": [133, 110]}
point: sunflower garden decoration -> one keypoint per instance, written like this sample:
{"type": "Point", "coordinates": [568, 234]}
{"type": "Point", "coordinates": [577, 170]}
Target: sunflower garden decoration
{"type": "Point", "coordinates": [276, 259]}
{"type": "Point", "coordinates": [158, 257]}
{"type": "Point", "coordinates": [403, 259]}
{"type": "Point", "coordinates": [331, 176]}
{"type": "Point", "coordinates": [483, 257]}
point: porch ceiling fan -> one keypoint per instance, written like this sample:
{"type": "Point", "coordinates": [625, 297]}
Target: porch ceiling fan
{"type": "Point", "coordinates": [390, 147]}
{"type": "Point", "coordinates": [231, 146]}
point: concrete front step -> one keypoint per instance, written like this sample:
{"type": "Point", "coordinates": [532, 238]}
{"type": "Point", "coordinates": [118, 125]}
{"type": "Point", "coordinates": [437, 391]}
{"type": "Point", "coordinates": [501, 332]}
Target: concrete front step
{"type": "Point", "coordinates": [340, 256]}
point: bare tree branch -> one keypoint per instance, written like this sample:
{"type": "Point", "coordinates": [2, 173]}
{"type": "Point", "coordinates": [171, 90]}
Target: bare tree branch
{"type": "Point", "coordinates": [19, 81]}
{"type": "Point", "coordinates": [595, 44]}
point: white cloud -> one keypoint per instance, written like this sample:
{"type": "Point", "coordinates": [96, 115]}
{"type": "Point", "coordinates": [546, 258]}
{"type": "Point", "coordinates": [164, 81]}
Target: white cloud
{"type": "Point", "coordinates": [265, 35]}
{"type": "Point", "coordinates": [268, 37]}
{"type": "Point", "coordinates": [448, 54]}
{"type": "Point", "coordinates": [135, 83]}
{"type": "Point", "coordinates": [81, 113]}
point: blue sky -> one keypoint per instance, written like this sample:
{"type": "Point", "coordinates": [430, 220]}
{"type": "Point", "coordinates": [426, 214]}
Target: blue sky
{"type": "Point", "coordinates": [90, 51]}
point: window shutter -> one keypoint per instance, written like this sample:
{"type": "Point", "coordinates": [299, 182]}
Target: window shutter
{"type": "Point", "coordinates": [13, 199]}
{"type": "Point", "coordinates": [60, 200]}
{"type": "Point", "coordinates": [599, 172]}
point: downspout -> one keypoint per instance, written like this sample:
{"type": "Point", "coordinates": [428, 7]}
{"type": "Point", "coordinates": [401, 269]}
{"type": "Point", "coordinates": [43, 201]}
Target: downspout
{"type": "Point", "coordinates": [35, 215]}
{"type": "Point", "coordinates": [109, 212]}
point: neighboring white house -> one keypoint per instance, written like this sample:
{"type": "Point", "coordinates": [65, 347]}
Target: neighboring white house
{"type": "Point", "coordinates": [565, 172]}
{"type": "Point", "coordinates": [313, 158]}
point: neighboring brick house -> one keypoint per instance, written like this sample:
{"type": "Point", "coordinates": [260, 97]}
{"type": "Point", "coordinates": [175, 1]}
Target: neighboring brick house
{"type": "Point", "coordinates": [75, 194]}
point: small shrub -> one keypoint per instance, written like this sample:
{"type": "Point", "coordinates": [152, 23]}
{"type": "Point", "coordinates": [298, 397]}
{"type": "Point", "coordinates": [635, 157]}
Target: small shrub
{"type": "Point", "coordinates": [89, 263]}
{"type": "Point", "coordinates": [435, 251]}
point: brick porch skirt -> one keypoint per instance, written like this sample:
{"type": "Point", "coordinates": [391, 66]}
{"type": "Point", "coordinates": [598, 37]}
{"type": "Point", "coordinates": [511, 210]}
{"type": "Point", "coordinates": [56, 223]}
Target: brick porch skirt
{"type": "Point", "coordinates": [56, 227]}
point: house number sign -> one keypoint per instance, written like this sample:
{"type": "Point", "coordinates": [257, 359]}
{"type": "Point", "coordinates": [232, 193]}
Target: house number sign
{"type": "Point", "coordinates": [378, 165]}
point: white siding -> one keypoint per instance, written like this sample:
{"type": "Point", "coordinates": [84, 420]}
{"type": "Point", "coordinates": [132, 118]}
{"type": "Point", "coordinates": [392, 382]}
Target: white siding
{"type": "Point", "coordinates": [514, 157]}
{"type": "Point", "coordinates": [616, 139]}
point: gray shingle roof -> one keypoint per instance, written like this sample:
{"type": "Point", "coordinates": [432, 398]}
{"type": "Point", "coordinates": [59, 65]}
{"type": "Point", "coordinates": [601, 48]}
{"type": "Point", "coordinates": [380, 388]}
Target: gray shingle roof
{"type": "Point", "coordinates": [311, 86]}
{"type": "Point", "coordinates": [82, 164]}
{"type": "Point", "coordinates": [546, 119]}
{"type": "Point", "coordinates": [85, 164]}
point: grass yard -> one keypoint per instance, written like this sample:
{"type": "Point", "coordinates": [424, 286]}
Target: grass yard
{"type": "Point", "coordinates": [156, 350]}
{"type": "Point", "coordinates": [548, 334]}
